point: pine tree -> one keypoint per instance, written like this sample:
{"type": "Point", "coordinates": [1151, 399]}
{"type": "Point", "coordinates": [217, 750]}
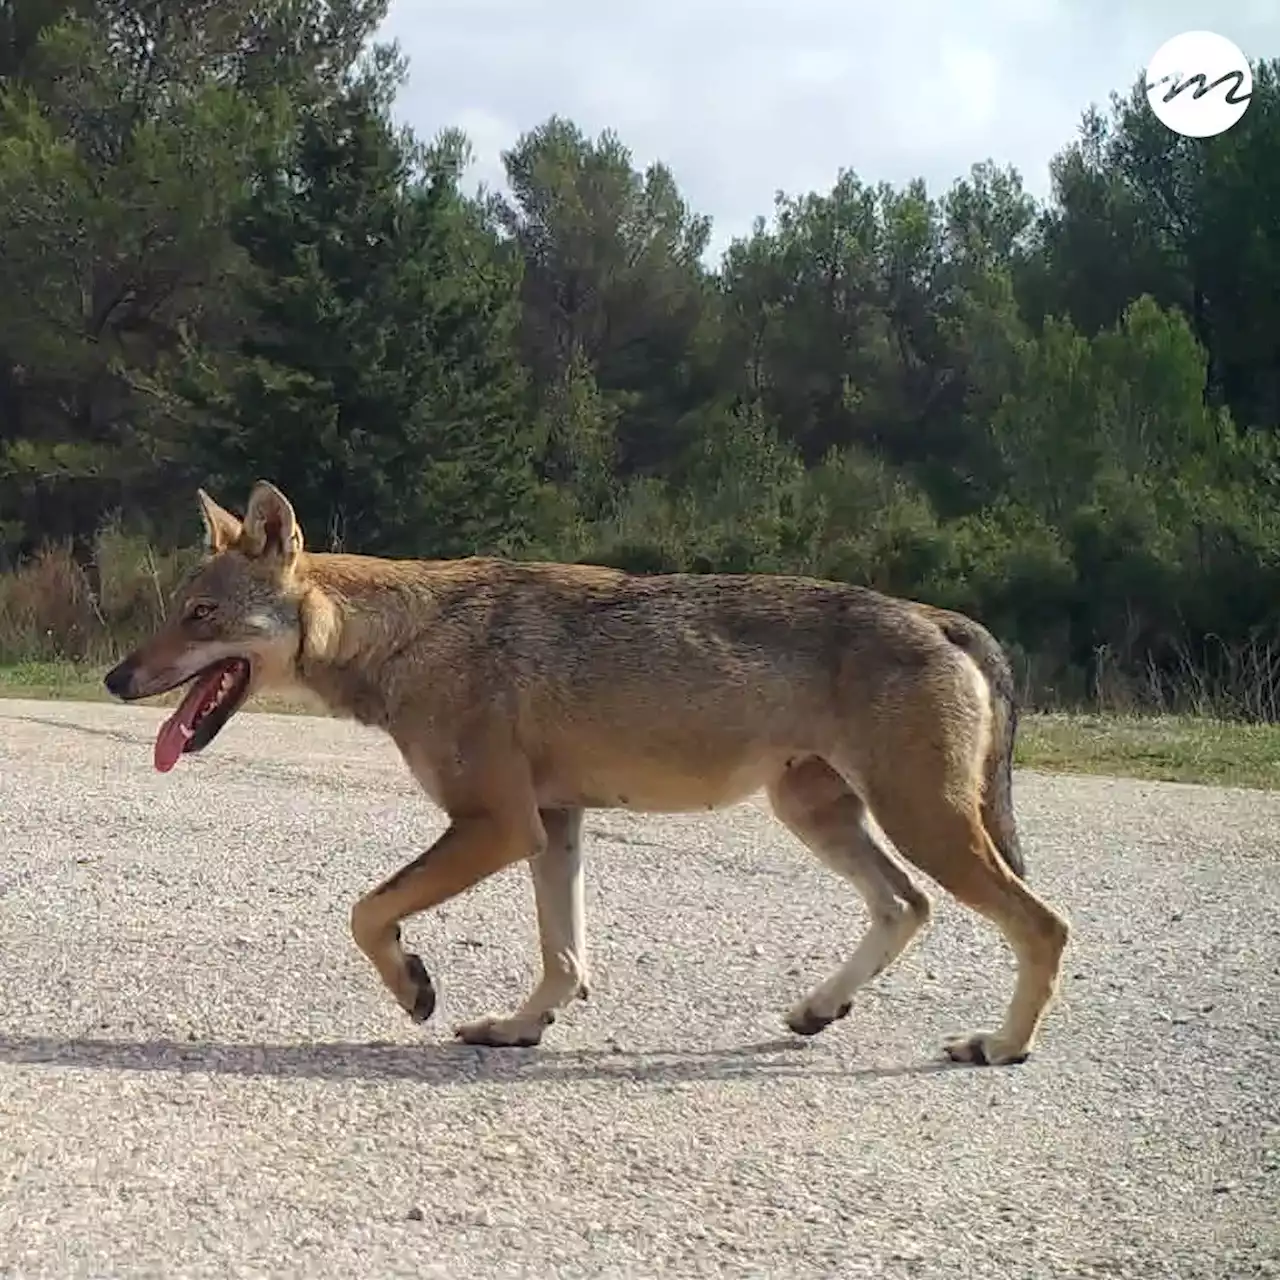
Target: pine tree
{"type": "Point", "coordinates": [379, 383]}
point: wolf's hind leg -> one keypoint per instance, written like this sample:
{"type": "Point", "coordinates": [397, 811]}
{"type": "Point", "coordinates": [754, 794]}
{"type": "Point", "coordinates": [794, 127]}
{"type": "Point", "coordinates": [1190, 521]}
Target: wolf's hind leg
{"type": "Point", "coordinates": [945, 837]}
{"type": "Point", "coordinates": [815, 803]}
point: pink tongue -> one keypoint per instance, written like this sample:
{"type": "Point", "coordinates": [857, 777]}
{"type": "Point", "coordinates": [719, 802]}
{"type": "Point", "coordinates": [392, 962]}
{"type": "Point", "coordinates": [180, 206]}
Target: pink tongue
{"type": "Point", "coordinates": [176, 730]}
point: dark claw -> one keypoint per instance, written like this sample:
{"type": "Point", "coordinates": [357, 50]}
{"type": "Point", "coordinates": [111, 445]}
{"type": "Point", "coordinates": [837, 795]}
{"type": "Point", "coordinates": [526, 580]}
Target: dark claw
{"type": "Point", "coordinates": [525, 1042]}
{"type": "Point", "coordinates": [812, 1024]}
{"type": "Point", "coordinates": [975, 1053]}
{"type": "Point", "coordinates": [424, 1004]}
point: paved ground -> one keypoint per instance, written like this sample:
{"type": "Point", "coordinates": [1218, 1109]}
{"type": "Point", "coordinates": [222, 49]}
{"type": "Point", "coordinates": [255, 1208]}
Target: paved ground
{"type": "Point", "coordinates": [200, 1076]}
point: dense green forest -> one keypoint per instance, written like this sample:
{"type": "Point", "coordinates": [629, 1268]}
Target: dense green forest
{"type": "Point", "coordinates": [221, 259]}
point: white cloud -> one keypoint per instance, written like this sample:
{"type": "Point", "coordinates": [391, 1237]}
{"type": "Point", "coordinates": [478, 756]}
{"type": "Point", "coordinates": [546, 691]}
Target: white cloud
{"type": "Point", "coordinates": [743, 99]}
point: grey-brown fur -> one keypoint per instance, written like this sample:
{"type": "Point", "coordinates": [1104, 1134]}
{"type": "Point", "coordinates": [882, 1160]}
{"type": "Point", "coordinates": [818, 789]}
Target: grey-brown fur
{"type": "Point", "coordinates": [521, 695]}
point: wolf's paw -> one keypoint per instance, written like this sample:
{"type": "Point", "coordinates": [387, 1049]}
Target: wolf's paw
{"type": "Point", "coordinates": [805, 1020]}
{"type": "Point", "coordinates": [424, 993]}
{"type": "Point", "coordinates": [505, 1033]}
{"type": "Point", "coordinates": [984, 1049]}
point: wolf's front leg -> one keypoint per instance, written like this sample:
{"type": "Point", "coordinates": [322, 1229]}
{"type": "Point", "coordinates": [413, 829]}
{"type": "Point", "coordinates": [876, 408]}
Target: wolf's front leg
{"type": "Point", "coordinates": [558, 893]}
{"type": "Point", "coordinates": [471, 850]}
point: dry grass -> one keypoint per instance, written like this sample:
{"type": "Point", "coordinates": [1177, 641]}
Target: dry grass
{"type": "Point", "coordinates": [1165, 748]}
{"type": "Point", "coordinates": [50, 613]}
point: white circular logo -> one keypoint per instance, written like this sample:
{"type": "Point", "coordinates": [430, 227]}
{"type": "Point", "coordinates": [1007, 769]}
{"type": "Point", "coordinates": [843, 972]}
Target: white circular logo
{"type": "Point", "coordinates": [1199, 84]}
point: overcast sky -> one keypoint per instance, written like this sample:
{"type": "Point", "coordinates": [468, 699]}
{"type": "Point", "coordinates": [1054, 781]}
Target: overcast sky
{"type": "Point", "coordinates": [743, 98]}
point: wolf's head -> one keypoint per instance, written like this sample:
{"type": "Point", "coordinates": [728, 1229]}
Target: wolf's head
{"type": "Point", "coordinates": [234, 627]}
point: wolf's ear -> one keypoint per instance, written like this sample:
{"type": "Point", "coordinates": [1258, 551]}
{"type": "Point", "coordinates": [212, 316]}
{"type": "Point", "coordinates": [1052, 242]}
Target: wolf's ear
{"type": "Point", "coordinates": [270, 527]}
{"type": "Point", "coordinates": [221, 528]}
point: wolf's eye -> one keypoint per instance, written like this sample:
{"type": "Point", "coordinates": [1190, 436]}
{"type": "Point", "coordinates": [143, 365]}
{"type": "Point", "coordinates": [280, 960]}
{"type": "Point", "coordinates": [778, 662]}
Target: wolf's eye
{"type": "Point", "coordinates": [199, 612]}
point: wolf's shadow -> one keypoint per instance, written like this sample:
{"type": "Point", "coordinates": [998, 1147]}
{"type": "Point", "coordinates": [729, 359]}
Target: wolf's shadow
{"type": "Point", "coordinates": [443, 1063]}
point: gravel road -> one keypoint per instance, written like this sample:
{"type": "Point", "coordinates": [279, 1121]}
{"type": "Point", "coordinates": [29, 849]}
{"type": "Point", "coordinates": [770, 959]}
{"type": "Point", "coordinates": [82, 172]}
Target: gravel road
{"type": "Point", "coordinates": [200, 1076]}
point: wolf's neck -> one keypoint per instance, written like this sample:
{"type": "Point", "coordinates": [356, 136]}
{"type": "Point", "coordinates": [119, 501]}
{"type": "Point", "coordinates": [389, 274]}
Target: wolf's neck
{"type": "Point", "coordinates": [357, 614]}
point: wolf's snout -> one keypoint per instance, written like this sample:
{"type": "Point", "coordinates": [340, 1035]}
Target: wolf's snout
{"type": "Point", "coordinates": [119, 680]}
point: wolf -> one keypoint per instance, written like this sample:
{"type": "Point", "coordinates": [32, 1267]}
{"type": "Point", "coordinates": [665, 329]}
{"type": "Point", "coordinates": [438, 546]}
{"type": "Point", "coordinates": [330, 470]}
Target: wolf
{"type": "Point", "coordinates": [522, 694]}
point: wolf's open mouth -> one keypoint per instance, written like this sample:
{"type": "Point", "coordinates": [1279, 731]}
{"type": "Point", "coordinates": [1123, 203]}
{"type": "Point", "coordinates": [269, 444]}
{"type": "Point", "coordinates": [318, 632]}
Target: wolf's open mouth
{"type": "Point", "coordinates": [214, 696]}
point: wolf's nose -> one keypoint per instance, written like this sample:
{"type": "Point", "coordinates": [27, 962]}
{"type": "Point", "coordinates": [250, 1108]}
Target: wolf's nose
{"type": "Point", "coordinates": [119, 678]}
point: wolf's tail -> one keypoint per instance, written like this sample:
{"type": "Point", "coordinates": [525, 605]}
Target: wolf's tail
{"type": "Point", "coordinates": [997, 800]}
